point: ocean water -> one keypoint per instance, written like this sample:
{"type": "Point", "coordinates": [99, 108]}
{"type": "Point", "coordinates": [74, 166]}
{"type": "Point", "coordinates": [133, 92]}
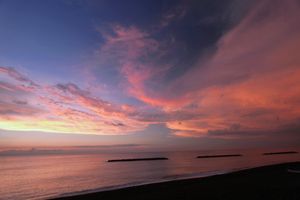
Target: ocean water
{"type": "Point", "coordinates": [53, 175]}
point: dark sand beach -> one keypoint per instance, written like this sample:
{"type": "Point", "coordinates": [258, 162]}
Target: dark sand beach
{"type": "Point", "coordinates": [268, 182]}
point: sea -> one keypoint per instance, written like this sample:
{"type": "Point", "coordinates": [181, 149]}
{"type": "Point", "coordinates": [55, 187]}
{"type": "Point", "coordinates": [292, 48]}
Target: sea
{"type": "Point", "coordinates": [50, 174]}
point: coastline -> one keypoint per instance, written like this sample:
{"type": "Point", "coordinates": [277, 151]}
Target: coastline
{"type": "Point", "coordinates": [265, 182]}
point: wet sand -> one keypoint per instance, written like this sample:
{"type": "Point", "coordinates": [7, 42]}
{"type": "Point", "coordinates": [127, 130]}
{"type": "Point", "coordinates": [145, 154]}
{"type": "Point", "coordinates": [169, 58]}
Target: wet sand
{"type": "Point", "coordinates": [269, 182]}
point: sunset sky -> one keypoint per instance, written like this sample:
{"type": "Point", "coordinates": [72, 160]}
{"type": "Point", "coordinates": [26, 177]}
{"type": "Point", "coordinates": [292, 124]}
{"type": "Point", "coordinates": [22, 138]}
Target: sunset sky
{"type": "Point", "coordinates": [150, 73]}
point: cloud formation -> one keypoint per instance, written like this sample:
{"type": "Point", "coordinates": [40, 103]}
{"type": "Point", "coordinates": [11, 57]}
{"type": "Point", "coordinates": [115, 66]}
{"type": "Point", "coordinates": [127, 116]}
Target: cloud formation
{"type": "Point", "coordinates": [248, 84]}
{"type": "Point", "coordinates": [253, 78]}
{"type": "Point", "coordinates": [61, 108]}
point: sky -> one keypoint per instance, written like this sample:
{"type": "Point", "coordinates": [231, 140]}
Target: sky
{"type": "Point", "coordinates": [161, 74]}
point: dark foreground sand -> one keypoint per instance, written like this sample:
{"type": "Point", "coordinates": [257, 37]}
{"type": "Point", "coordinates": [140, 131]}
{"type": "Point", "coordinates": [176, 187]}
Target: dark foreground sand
{"type": "Point", "coordinates": [270, 182]}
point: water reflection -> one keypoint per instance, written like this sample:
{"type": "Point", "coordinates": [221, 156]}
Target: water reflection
{"type": "Point", "coordinates": [43, 176]}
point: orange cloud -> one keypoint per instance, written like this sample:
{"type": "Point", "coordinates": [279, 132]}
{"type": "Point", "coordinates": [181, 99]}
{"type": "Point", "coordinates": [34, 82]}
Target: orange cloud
{"type": "Point", "coordinates": [253, 79]}
{"type": "Point", "coordinates": [250, 84]}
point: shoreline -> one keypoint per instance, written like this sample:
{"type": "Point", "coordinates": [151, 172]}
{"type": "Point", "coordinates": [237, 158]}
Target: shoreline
{"type": "Point", "coordinates": [175, 184]}
{"type": "Point", "coordinates": [138, 184]}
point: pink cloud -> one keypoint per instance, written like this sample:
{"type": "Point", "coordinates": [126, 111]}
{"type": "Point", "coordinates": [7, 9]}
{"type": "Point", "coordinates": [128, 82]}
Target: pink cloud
{"type": "Point", "coordinates": [250, 84]}
{"type": "Point", "coordinates": [134, 52]}
{"type": "Point", "coordinates": [253, 78]}
{"type": "Point", "coordinates": [64, 108]}
{"type": "Point", "coordinates": [72, 104]}
{"type": "Point", "coordinates": [11, 72]}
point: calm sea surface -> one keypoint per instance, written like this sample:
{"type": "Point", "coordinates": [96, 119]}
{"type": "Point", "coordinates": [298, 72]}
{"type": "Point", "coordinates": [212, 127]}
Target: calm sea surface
{"type": "Point", "coordinates": [44, 176]}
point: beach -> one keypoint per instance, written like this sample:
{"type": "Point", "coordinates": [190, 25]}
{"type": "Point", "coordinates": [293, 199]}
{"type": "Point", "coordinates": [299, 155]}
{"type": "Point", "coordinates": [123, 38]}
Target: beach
{"type": "Point", "coordinates": [47, 176]}
{"type": "Point", "coordinates": [267, 182]}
